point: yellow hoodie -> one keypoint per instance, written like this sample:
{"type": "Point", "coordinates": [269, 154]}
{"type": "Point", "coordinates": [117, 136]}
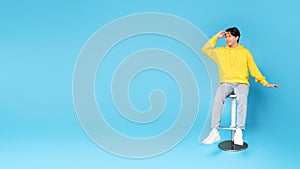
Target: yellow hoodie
{"type": "Point", "coordinates": [233, 63]}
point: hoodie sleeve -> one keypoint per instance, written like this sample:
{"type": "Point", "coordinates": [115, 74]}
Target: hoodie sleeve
{"type": "Point", "coordinates": [254, 71]}
{"type": "Point", "coordinates": [209, 50]}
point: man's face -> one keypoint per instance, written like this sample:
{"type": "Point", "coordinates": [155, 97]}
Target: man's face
{"type": "Point", "coordinates": [231, 40]}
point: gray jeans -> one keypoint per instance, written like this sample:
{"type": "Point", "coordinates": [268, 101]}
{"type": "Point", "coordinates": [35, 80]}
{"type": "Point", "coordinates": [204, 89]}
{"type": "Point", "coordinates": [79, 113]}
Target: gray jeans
{"type": "Point", "coordinates": [223, 91]}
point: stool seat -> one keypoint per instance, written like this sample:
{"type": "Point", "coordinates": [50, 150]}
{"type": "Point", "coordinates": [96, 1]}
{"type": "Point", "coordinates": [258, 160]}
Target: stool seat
{"type": "Point", "coordinates": [229, 145]}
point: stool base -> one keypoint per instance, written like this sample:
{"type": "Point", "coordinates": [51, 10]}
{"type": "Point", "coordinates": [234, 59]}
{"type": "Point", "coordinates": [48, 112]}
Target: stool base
{"type": "Point", "coordinates": [228, 145]}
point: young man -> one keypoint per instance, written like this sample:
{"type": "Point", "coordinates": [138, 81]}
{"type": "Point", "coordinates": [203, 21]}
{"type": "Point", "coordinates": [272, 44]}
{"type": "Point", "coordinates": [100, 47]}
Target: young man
{"type": "Point", "coordinates": [234, 61]}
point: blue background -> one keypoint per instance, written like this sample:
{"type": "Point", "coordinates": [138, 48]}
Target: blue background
{"type": "Point", "coordinates": [41, 40]}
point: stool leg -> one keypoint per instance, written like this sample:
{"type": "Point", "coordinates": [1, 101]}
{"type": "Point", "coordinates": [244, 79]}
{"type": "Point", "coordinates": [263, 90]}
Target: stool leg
{"type": "Point", "coordinates": [233, 113]}
{"type": "Point", "coordinates": [233, 117]}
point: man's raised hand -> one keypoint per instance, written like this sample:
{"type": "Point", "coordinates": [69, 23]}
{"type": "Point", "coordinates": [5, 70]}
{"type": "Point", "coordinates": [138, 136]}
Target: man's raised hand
{"type": "Point", "coordinates": [221, 34]}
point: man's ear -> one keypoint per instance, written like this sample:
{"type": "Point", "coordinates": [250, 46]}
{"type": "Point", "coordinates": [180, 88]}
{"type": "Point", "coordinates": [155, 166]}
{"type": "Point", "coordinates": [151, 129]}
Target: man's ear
{"type": "Point", "coordinates": [237, 39]}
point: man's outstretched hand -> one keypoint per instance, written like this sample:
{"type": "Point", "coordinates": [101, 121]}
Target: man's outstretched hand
{"type": "Point", "coordinates": [272, 85]}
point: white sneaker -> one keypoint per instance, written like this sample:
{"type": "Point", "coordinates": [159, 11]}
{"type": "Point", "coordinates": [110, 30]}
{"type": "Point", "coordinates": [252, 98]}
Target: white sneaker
{"type": "Point", "coordinates": [238, 137]}
{"type": "Point", "coordinates": [212, 137]}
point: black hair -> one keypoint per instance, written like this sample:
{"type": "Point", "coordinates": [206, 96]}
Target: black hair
{"type": "Point", "coordinates": [234, 32]}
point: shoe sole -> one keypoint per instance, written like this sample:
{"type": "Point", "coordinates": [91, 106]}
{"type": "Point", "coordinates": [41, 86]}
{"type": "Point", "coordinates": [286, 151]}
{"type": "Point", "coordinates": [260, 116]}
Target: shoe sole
{"type": "Point", "coordinates": [215, 140]}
